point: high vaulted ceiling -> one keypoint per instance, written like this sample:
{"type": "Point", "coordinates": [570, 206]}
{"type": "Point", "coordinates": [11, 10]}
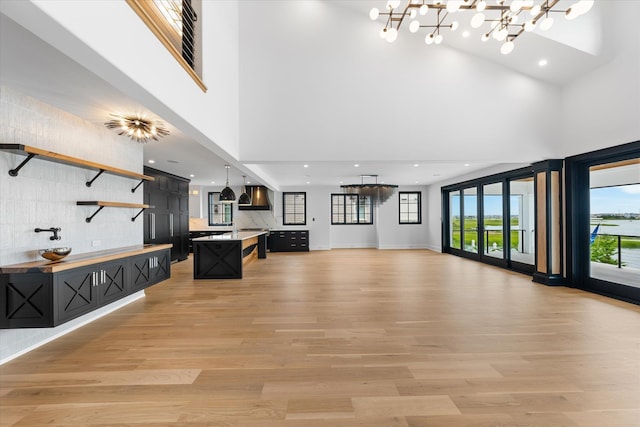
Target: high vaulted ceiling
{"type": "Point", "coordinates": [318, 87]}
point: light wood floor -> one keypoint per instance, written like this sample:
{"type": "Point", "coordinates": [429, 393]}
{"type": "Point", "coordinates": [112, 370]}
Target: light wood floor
{"type": "Point", "coordinates": [341, 338]}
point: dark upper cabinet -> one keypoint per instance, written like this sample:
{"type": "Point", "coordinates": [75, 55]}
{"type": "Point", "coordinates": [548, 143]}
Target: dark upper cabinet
{"type": "Point", "coordinates": [167, 221]}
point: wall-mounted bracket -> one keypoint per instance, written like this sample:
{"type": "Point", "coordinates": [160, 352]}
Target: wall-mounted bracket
{"type": "Point", "coordinates": [103, 204]}
{"type": "Point", "coordinates": [14, 172]}
{"type": "Point", "coordinates": [88, 183]}
{"type": "Point", "coordinates": [138, 214]}
{"type": "Point", "coordinates": [133, 190]}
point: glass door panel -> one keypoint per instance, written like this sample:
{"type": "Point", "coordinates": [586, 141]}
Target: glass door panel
{"type": "Point", "coordinates": [614, 190]}
{"type": "Point", "coordinates": [493, 220]}
{"type": "Point", "coordinates": [470, 219]}
{"type": "Point", "coordinates": [522, 229]}
{"type": "Point", "coordinates": [455, 234]}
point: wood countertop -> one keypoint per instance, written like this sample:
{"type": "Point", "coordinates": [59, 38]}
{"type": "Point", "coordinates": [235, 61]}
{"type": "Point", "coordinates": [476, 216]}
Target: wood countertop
{"type": "Point", "coordinates": [81, 260]}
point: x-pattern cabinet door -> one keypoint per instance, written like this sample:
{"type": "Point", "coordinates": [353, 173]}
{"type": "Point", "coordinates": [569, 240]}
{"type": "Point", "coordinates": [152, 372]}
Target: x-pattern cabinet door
{"type": "Point", "coordinates": [76, 293]}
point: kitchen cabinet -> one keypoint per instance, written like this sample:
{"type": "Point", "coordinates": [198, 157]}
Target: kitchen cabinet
{"type": "Point", "coordinates": [289, 241]}
{"type": "Point", "coordinates": [149, 269]}
{"type": "Point", "coordinates": [167, 218]}
{"type": "Point", "coordinates": [82, 290]}
{"type": "Point", "coordinates": [38, 294]}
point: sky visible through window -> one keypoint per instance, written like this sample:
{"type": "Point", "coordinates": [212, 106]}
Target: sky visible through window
{"type": "Point", "coordinates": [624, 199]}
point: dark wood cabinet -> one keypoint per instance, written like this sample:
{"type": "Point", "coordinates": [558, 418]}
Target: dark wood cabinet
{"type": "Point", "coordinates": [34, 299]}
{"type": "Point", "coordinates": [289, 241]}
{"type": "Point", "coordinates": [149, 269]}
{"type": "Point", "coordinates": [167, 220]}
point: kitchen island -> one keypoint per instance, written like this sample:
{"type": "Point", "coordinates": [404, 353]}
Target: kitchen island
{"type": "Point", "coordinates": [223, 256]}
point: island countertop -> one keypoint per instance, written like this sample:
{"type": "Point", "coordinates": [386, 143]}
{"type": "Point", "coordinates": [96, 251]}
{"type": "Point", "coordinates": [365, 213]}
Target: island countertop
{"type": "Point", "coordinates": [239, 236]}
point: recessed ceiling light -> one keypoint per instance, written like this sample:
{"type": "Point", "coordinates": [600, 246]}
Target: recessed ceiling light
{"type": "Point", "coordinates": [542, 63]}
{"type": "Point", "coordinates": [341, 182]}
{"type": "Point", "coordinates": [152, 161]}
{"type": "Point", "coordinates": [213, 182]}
{"type": "Point", "coordinates": [466, 34]}
{"type": "Point", "coordinates": [192, 175]}
{"type": "Point", "coordinates": [248, 182]}
{"type": "Point", "coordinates": [356, 165]}
{"type": "Point", "coordinates": [415, 165]}
{"type": "Point", "coordinates": [466, 164]}
{"type": "Point", "coordinates": [306, 166]}
{"type": "Point", "coordinates": [308, 182]}
{"type": "Point", "coordinates": [416, 182]}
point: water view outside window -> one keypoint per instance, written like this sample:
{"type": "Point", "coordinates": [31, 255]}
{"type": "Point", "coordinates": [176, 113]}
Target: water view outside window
{"type": "Point", "coordinates": [493, 220]}
{"type": "Point", "coordinates": [454, 220]}
{"type": "Point", "coordinates": [522, 230]}
{"type": "Point", "coordinates": [470, 222]}
{"type": "Point", "coordinates": [615, 222]}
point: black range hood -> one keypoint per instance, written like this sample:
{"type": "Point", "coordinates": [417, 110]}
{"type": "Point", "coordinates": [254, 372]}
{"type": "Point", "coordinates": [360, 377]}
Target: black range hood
{"type": "Point", "coordinates": [259, 195]}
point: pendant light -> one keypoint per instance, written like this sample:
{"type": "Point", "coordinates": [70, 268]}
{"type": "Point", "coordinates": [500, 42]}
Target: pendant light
{"type": "Point", "coordinates": [227, 195]}
{"type": "Point", "coordinates": [244, 199]}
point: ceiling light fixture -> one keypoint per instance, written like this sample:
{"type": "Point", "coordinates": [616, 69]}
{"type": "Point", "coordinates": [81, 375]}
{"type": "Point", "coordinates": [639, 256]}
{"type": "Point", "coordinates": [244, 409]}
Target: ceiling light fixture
{"type": "Point", "coordinates": [227, 195]}
{"type": "Point", "coordinates": [379, 193]}
{"type": "Point", "coordinates": [244, 199]}
{"type": "Point", "coordinates": [137, 127]}
{"type": "Point", "coordinates": [508, 19]}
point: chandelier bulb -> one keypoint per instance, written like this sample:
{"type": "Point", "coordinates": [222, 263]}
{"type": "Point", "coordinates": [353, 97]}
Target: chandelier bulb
{"type": "Point", "coordinates": [482, 5]}
{"type": "Point", "coordinates": [535, 10]}
{"type": "Point", "coordinates": [424, 9]}
{"type": "Point", "coordinates": [414, 26]}
{"type": "Point", "coordinates": [546, 23]}
{"type": "Point", "coordinates": [477, 20]}
{"type": "Point", "coordinates": [507, 48]}
{"type": "Point", "coordinates": [374, 13]}
{"type": "Point", "coordinates": [529, 26]}
{"type": "Point", "coordinates": [485, 37]}
{"type": "Point", "coordinates": [413, 14]}
{"type": "Point", "coordinates": [438, 39]}
{"type": "Point", "coordinates": [429, 38]}
{"type": "Point", "coordinates": [392, 35]}
{"type": "Point", "coordinates": [383, 33]}
{"type": "Point", "coordinates": [454, 25]}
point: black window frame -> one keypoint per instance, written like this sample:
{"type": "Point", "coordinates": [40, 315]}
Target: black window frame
{"type": "Point", "coordinates": [211, 203]}
{"type": "Point", "coordinates": [284, 207]}
{"type": "Point", "coordinates": [400, 221]}
{"type": "Point", "coordinates": [344, 209]}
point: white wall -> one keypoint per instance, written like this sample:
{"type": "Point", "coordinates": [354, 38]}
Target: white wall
{"type": "Point", "coordinates": [44, 194]}
{"type": "Point", "coordinates": [148, 73]}
{"type": "Point", "coordinates": [602, 109]}
{"type": "Point", "coordinates": [328, 88]}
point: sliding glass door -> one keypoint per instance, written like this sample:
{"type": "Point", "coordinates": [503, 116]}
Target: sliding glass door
{"type": "Point", "coordinates": [521, 221]}
{"type": "Point", "coordinates": [470, 220]}
{"type": "Point", "coordinates": [493, 220]}
{"type": "Point", "coordinates": [614, 222]}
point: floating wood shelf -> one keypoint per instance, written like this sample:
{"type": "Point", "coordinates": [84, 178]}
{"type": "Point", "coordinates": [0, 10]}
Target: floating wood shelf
{"type": "Point", "coordinates": [31, 152]}
{"type": "Point", "coordinates": [103, 204]}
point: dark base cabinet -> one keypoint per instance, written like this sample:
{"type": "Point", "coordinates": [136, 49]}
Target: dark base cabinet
{"type": "Point", "coordinates": [289, 241]}
{"type": "Point", "coordinates": [43, 300]}
{"type": "Point", "coordinates": [201, 233]}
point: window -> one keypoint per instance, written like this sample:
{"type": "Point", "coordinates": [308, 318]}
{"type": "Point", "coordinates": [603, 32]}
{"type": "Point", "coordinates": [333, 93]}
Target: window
{"type": "Point", "coordinates": [351, 209]}
{"type": "Point", "coordinates": [410, 211]}
{"type": "Point", "coordinates": [294, 208]}
{"type": "Point", "coordinates": [219, 213]}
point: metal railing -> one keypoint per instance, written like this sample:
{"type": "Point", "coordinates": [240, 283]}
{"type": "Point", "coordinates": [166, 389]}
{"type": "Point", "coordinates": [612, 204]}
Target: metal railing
{"type": "Point", "coordinates": [619, 246]}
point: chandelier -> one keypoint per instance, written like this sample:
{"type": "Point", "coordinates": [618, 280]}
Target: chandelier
{"type": "Point", "coordinates": [378, 193]}
{"type": "Point", "coordinates": [136, 127]}
{"type": "Point", "coordinates": [503, 21]}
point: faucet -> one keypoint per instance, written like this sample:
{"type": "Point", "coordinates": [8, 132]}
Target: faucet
{"type": "Point", "coordinates": [53, 230]}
